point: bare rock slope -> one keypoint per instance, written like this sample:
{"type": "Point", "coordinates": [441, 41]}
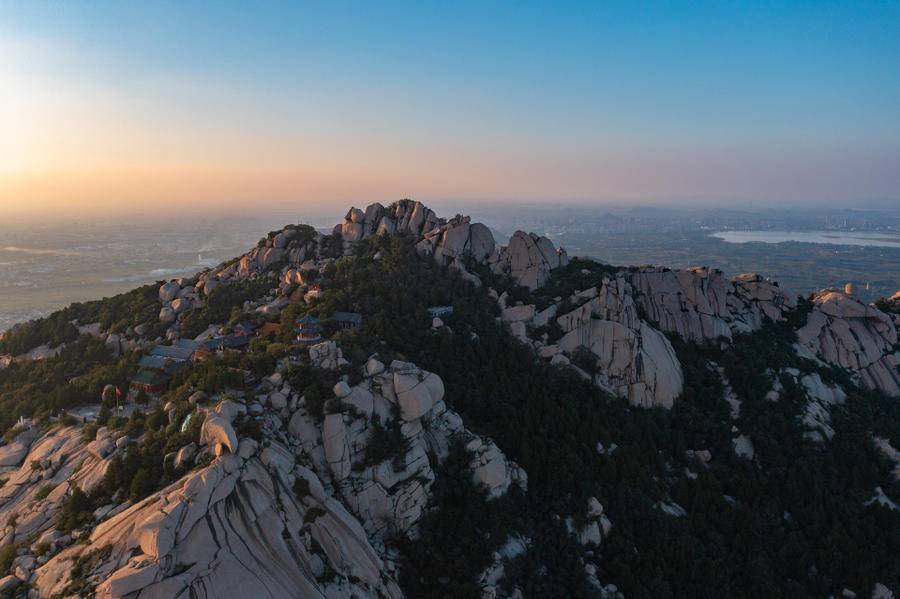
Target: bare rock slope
{"type": "Point", "coordinates": [844, 332]}
{"type": "Point", "coordinates": [307, 511]}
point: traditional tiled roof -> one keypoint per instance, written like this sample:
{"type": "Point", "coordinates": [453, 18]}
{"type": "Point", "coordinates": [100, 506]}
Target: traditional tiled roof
{"type": "Point", "coordinates": [351, 317]}
{"type": "Point", "coordinates": [173, 352]}
{"type": "Point", "coordinates": [154, 362]}
{"type": "Point", "coordinates": [152, 378]}
{"type": "Point", "coordinates": [229, 341]}
{"type": "Point", "coordinates": [187, 343]}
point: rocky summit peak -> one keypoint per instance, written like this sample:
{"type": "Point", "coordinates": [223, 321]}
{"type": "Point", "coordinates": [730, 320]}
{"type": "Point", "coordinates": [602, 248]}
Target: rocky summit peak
{"type": "Point", "coordinates": [404, 407]}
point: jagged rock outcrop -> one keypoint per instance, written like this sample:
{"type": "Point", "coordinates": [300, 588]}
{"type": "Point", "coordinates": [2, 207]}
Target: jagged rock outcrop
{"type": "Point", "coordinates": [404, 217]}
{"type": "Point", "coordinates": [448, 242]}
{"type": "Point", "coordinates": [234, 528]}
{"type": "Point", "coordinates": [290, 257]}
{"type": "Point", "coordinates": [528, 259]}
{"type": "Point", "coordinates": [403, 403]}
{"type": "Point", "coordinates": [596, 525]}
{"type": "Point", "coordinates": [845, 332]}
{"type": "Point", "coordinates": [632, 359]}
{"type": "Point", "coordinates": [491, 469]}
{"type": "Point", "coordinates": [755, 297]}
{"type": "Point", "coordinates": [457, 238]}
{"type": "Point", "coordinates": [218, 433]}
{"type": "Point", "coordinates": [700, 304]}
{"type": "Point", "coordinates": [305, 512]}
{"type": "Point", "coordinates": [327, 355]}
{"type": "Point", "coordinates": [407, 217]}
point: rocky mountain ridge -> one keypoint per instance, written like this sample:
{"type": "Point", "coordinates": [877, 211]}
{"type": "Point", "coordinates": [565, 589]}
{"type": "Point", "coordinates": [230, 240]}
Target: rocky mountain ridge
{"type": "Point", "coordinates": [285, 493]}
{"type": "Point", "coordinates": [698, 304]}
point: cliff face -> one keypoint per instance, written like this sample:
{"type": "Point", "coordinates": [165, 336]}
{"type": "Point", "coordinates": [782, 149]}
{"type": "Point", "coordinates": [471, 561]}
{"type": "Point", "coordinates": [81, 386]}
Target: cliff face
{"type": "Point", "coordinates": [699, 304]}
{"type": "Point", "coordinates": [528, 259]}
{"type": "Point", "coordinates": [632, 359]}
{"type": "Point", "coordinates": [844, 332]}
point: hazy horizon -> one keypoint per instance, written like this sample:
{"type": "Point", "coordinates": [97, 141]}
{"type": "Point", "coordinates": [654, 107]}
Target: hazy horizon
{"type": "Point", "coordinates": [143, 108]}
{"type": "Point", "coordinates": [325, 214]}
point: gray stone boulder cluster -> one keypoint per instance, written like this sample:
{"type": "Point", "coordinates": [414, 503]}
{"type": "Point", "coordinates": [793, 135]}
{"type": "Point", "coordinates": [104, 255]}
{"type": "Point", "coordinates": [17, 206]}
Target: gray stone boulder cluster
{"type": "Point", "coordinates": [298, 254]}
{"type": "Point", "coordinates": [405, 217]}
{"type": "Point", "coordinates": [457, 238]}
{"type": "Point", "coordinates": [847, 333]}
{"type": "Point", "coordinates": [594, 528]}
{"type": "Point", "coordinates": [389, 492]}
{"type": "Point", "coordinates": [448, 242]}
{"type": "Point", "coordinates": [307, 511]}
{"type": "Point", "coordinates": [178, 296]}
{"type": "Point", "coordinates": [528, 259]}
{"type": "Point", "coordinates": [632, 358]}
{"type": "Point", "coordinates": [327, 355]}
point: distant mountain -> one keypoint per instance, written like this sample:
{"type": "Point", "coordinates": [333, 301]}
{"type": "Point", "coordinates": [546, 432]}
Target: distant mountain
{"type": "Point", "coordinates": [402, 407]}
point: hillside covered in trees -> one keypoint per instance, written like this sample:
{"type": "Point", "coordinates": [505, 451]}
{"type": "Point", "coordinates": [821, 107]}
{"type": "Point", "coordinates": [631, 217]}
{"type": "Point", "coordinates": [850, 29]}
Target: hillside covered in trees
{"type": "Point", "coordinates": [491, 421]}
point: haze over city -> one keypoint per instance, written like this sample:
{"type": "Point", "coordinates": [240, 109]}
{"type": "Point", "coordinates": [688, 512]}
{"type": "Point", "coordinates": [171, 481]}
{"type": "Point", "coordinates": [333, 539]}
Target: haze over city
{"type": "Point", "coordinates": [109, 109]}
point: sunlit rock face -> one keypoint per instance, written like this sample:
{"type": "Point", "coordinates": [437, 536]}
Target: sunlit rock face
{"type": "Point", "coordinates": [405, 217]}
{"type": "Point", "coordinates": [528, 259]}
{"type": "Point", "coordinates": [307, 511]}
{"type": "Point", "coordinates": [55, 461]}
{"type": "Point", "coordinates": [458, 238]}
{"type": "Point", "coordinates": [845, 332]}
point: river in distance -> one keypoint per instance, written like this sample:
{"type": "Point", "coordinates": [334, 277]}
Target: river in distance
{"type": "Point", "coordinates": [822, 237]}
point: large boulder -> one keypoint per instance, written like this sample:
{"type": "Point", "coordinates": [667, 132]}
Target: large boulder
{"type": "Point", "coordinates": [417, 392]}
{"type": "Point", "coordinates": [456, 239]}
{"type": "Point", "coordinates": [169, 291]}
{"type": "Point", "coordinates": [217, 430]}
{"type": "Point", "coordinates": [167, 315]}
{"type": "Point", "coordinates": [13, 453]}
{"type": "Point", "coordinates": [528, 259]}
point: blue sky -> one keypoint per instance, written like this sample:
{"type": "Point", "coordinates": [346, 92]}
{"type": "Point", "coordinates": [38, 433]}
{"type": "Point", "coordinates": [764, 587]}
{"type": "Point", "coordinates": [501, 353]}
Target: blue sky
{"type": "Point", "coordinates": [780, 101]}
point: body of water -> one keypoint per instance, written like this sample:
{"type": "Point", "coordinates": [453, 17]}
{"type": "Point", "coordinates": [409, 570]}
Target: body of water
{"type": "Point", "coordinates": [822, 237]}
{"type": "Point", "coordinates": [46, 267]}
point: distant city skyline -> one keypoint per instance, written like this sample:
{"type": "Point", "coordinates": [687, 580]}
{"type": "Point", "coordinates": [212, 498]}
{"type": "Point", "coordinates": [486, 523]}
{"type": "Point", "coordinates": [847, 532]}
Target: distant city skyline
{"type": "Point", "coordinates": [136, 108]}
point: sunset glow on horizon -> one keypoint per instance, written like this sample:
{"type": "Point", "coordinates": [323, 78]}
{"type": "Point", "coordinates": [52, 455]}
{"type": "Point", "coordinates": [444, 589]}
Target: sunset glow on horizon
{"type": "Point", "coordinates": [138, 107]}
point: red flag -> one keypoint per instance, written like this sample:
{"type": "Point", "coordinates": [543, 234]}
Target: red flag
{"type": "Point", "coordinates": [118, 392]}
